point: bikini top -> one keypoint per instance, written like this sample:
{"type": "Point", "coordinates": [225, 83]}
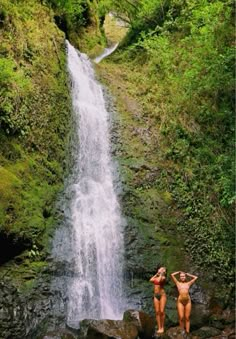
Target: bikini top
{"type": "Point", "coordinates": [183, 287]}
{"type": "Point", "coordinates": [160, 283]}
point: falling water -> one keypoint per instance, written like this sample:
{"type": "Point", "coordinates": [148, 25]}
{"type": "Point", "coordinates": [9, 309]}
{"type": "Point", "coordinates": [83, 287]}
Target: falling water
{"type": "Point", "coordinates": [92, 242]}
{"type": "Point", "coordinates": [107, 51]}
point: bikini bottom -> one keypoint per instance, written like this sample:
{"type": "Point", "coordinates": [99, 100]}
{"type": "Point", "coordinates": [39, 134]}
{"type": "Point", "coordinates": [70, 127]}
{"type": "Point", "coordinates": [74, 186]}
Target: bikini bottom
{"type": "Point", "coordinates": [158, 295]}
{"type": "Point", "coordinates": [184, 300]}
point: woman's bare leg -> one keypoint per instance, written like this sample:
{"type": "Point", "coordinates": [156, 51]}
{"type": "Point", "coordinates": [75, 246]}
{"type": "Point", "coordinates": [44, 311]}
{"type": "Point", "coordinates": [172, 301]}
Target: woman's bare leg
{"type": "Point", "coordinates": [180, 308]}
{"type": "Point", "coordinates": [188, 308]}
{"type": "Point", "coordinates": [162, 312]}
{"type": "Point", "coordinates": [157, 311]}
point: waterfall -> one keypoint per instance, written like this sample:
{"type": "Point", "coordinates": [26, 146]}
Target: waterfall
{"type": "Point", "coordinates": [107, 51]}
{"type": "Point", "coordinates": [91, 242]}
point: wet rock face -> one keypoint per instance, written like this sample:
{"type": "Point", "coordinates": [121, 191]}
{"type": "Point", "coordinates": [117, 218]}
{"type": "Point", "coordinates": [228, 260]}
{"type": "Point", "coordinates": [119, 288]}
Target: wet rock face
{"type": "Point", "coordinates": [21, 313]}
{"type": "Point", "coordinates": [10, 246]}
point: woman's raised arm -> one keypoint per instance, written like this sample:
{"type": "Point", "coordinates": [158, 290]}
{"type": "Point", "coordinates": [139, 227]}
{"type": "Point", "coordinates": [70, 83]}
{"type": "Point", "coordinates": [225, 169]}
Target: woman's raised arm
{"type": "Point", "coordinates": [173, 277]}
{"type": "Point", "coordinates": [194, 278]}
{"type": "Point", "coordinates": [154, 277]}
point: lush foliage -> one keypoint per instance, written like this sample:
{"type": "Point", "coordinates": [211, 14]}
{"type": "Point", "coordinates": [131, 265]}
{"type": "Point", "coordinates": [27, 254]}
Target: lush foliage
{"type": "Point", "coordinates": [79, 21]}
{"type": "Point", "coordinates": [34, 122]}
{"type": "Point", "coordinates": [12, 84]}
{"type": "Point", "coordinates": [179, 57]}
{"type": "Point", "coordinates": [74, 13]}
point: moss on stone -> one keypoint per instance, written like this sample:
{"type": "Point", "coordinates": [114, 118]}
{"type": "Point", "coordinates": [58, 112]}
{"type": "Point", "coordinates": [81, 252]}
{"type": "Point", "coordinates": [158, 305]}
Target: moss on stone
{"type": "Point", "coordinates": [149, 207]}
{"type": "Point", "coordinates": [34, 132]}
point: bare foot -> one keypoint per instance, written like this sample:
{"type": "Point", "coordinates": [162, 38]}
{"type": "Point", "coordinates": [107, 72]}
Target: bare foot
{"type": "Point", "coordinates": [160, 331]}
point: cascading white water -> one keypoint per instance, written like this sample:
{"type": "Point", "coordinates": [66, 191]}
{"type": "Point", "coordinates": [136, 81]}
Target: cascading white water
{"type": "Point", "coordinates": [94, 248]}
{"type": "Point", "coordinates": [107, 51]}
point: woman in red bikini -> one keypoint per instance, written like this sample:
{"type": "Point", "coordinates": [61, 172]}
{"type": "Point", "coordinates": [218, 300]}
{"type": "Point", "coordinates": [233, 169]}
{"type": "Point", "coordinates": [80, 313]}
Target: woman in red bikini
{"type": "Point", "coordinates": [184, 302]}
{"type": "Point", "coordinates": [159, 280]}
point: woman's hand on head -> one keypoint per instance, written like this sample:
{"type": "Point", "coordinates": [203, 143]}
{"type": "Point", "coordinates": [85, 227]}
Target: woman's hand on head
{"type": "Point", "coordinates": [162, 270]}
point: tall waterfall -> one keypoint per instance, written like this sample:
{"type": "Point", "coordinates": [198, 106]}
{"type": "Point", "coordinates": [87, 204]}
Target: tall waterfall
{"type": "Point", "coordinates": [92, 242]}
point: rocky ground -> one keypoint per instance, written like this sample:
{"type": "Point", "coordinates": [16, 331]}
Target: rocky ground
{"type": "Point", "coordinates": [139, 325]}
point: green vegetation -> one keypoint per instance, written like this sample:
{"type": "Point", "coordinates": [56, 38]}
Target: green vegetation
{"type": "Point", "coordinates": [78, 18]}
{"type": "Point", "coordinates": [174, 72]}
{"type": "Point", "coordinates": [35, 121]}
{"type": "Point", "coordinates": [113, 35]}
{"type": "Point", "coordinates": [75, 13]}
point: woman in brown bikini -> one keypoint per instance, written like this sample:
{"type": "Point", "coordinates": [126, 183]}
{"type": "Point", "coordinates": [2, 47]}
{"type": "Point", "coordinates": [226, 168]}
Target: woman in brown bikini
{"type": "Point", "coordinates": [184, 302]}
{"type": "Point", "coordinates": [159, 280]}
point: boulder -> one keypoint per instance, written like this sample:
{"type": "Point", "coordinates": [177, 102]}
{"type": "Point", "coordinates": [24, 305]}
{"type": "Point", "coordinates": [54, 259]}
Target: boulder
{"type": "Point", "coordinates": [199, 316]}
{"type": "Point", "coordinates": [177, 333]}
{"type": "Point", "coordinates": [143, 322]}
{"type": "Point", "coordinates": [171, 319]}
{"type": "Point", "coordinates": [59, 334]}
{"type": "Point", "coordinates": [227, 333]}
{"type": "Point", "coordinates": [207, 332]}
{"type": "Point", "coordinates": [223, 319]}
{"type": "Point", "coordinates": [107, 329]}
{"type": "Point", "coordinates": [228, 316]}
